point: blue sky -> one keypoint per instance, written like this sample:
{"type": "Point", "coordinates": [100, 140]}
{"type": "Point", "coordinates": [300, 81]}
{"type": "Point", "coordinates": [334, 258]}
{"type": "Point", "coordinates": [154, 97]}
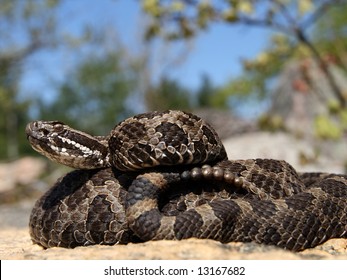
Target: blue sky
{"type": "Point", "coordinates": [216, 52]}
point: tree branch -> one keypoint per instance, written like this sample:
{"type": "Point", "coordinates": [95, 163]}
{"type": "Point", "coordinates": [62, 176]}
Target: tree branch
{"type": "Point", "coordinates": [318, 13]}
{"type": "Point", "coordinates": [331, 80]}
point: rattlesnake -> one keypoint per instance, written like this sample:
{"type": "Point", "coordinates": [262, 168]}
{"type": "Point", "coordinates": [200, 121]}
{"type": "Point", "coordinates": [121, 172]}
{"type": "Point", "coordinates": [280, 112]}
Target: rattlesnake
{"type": "Point", "coordinates": [149, 180]}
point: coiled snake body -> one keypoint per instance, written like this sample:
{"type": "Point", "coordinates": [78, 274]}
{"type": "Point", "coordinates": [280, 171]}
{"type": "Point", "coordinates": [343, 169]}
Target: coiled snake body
{"type": "Point", "coordinates": [149, 180]}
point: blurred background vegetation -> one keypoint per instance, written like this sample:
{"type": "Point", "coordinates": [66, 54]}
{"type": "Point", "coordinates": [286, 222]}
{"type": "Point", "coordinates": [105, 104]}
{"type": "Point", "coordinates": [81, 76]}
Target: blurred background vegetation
{"type": "Point", "coordinates": [302, 74]}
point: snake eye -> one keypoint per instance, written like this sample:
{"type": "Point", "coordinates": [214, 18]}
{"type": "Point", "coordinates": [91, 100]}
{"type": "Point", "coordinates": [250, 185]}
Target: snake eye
{"type": "Point", "coordinates": [58, 126]}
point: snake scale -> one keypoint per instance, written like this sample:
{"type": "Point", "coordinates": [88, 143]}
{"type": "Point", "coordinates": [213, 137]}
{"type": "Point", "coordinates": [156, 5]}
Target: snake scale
{"type": "Point", "coordinates": [165, 175]}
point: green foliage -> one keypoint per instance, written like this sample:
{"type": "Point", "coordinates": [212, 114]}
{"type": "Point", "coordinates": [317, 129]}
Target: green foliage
{"type": "Point", "coordinates": [27, 25]}
{"type": "Point", "coordinates": [271, 122]}
{"type": "Point", "coordinates": [25, 28]}
{"type": "Point", "coordinates": [169, 94]}
{"type": "Point", "coordinates": [93, 97]}
{"type": "Point", "coordinates": [325, 128]}
{"type": "Point", "coordinates": [205, 93]}
{"type": "Point", "coordinates": [254, 81]}
{"type": "Point", "coordinates": [331, 36]}
{"type": "Point", "coordinates": [290, 18]}
{"type": "Point", "coordinates": [184, 18]}
{"type": "Point", "coordinates": [332, 26]}
{"type": "Point", "coordinates": [331, 125]}
{"type": "Point", "coordinates": [14, 115]}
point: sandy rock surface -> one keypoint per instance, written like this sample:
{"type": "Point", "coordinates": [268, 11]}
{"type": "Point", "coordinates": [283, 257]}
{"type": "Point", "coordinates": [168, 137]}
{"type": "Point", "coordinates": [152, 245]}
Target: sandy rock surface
{"type": "Point", "coordinates": [15, 241]}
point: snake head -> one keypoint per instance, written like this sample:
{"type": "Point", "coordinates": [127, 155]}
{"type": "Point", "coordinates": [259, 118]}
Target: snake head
{"type": "Point", "coordinates": [63, 144]}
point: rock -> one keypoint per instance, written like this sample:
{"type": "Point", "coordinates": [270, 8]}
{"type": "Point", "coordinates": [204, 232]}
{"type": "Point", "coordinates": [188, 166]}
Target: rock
{"type": "Point", "coordinates": [282, 146]}
{"type": "Point", "coordinates": [334, 247]}
{"type": "Point", "coordinates": [23, 171]}
{"type": "Point", "coordinates": [21, 248]}
{"type": "Point", "coordinates": [15, 241]}
{"type": "Point", "coordinates": [225, 123]}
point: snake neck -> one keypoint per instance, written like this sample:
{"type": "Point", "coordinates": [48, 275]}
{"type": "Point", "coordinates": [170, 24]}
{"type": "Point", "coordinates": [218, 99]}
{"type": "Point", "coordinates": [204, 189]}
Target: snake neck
{"type": "Point", "coordinates": [68, 146]}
